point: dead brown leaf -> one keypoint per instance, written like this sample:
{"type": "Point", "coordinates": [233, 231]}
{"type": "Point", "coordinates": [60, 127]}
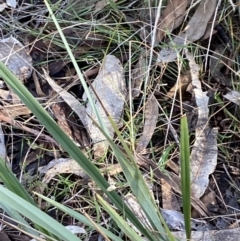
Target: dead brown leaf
{"type": "Point", "coordinates": [217, 62]}
{"type": "Point", "coordinates": [198, 23]}
{"type": "Point", "coordinates": [14, 55]}
{"type": "Point", "coordinates": [169, 199]}
{"type": "Point", "coordinates": [4, 236]}
{"type": "Point", "coordinates": [151, 115]}
{"type": "Point", "coordinates": [13, 111]}
{"type": "Point", "coordinates": [138, 74]}
{"type": "Point", "coordinates": [194, 30]}
{"type": "Point", "coordinates": [204, 152]}
{"type": "Point", "coordinates": [108, 91]}
{"type": "Point", "coordinates": [182, 84]}
{"type": "Point", "coordinates": [171, 18]}
{"type": "Point", "coordinates": [173, 180]}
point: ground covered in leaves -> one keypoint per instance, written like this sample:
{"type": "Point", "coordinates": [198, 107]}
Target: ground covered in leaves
{"type": "Point", "coordinates": [148, 64]}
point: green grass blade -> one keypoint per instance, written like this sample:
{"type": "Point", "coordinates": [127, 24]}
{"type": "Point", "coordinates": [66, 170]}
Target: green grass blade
{"type": "Point", "coordinates": [185, 175]}
{"type": "Point", "coordinates": [79, 217]}
{"type": "Point", "coordinates": [12, 183]}
{"type": "Point", "coordinates": [122, 224]}
{"type": "Point", "coordinates": [75, 64]}
{"type": "Point", "coordinates": [140, 189]}
{"type": "Point", "coordinates": [18, 218]}
{"type": "Point", "coordinates": [66, 143]}
{"type": "Point", "coordinates": [34, 214]}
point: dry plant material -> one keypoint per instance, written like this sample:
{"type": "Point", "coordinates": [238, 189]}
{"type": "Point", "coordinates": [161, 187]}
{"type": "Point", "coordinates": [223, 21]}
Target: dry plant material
{"type": "Point", "coordinates": [67, 122]}
{"type": "Point", "coordinates": [2, 144]}
{"type": "Point", "coordinates": [9, 96]}
{"type": "Point", "coordinates": [138, 74]}
{"type": "Point", "coordinates": [181, 84]}
{"type": "Point", "coordinates": [70, 166]}
{"type": "Point", "coordinates": [14, 55]}
{"type": "Point", "coordinates": [133, 204]}
{"type": "Point", "coordinates": [108, 91]}
{"type": "Point", "coordinates": [13, 111]}
{"type": "Point", "coordinates": [217, 62]}
{"type": "Point", "coordinates": [3, 6]}
{"type": "Point", "coordinates": [4, 236]}
{"type": "Point", "coordinates": [60, 114]}
{"type": "Point", "coordinates": [169, 199]}
{"type": "Point", "coordinates": [211, 235]}
{"type": "Point", "coordinates": [175, 221]}
{"type": "Point", "coordinates": [173, 180]}
{"type": "Point", "coordinates": [150, 115]}
{"type": "Point", "coordinates": [101, 4]}
{"type": "Point", "coordinates": [204, 152]}
{"type": "Point", "coordinates": [233, 96]}
{"type": "Point", "coordinates": [171, 18]}
{"type": "Point", "coordinates": [11, 3]}
{"type": "Point", "coordinates": [19, 125]}
{"type": "Point", "coordinates": [61, 165]}
{"type": "Point", "coordinates": [194, 30]}
{"type": "Point", "coordinates": [75, 105]}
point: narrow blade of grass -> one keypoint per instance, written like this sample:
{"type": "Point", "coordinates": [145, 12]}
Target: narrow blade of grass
{"type": "Point", "coordinates": [139, 188]}
{"type": "Point", "coordinates": [12, 183]}
{"type": "Point", "coordinates": [34, 214]}
{"type": "Point", "coordinates": [79, 217]}
{"type": "Point", "coordinates": [67, 143]}
{"type": "Point", "coordinates": [120, 221]}
{"type": "Point", "coordinates": [185, 175]}
{"type": "Point", "coordinates": [14, 214]}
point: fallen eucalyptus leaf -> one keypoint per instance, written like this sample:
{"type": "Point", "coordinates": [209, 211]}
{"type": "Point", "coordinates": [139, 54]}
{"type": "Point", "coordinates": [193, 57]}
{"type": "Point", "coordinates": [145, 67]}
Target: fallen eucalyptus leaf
{"type": "Point", "coordinates": [108, 91]}
{"type": "Point", "coordinates": [204, 152]}
{"type": "Point", "coordinates": [150, 115]}
{"type": "Point", "coordinates": [61, 165]}
{"type": "Point", "coordinates": [233, 96]}
{"type": "Point", "coordinates": [194, 30]}
{"type": "Point", "coordinates": [171, 17]}
{"type": "Point", "coordinates": [16, 58]}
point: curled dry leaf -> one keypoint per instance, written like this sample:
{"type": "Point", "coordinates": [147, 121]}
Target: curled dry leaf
{"type": "Point", "coordinates": [61, 165]}
{"type": "Point", "coordinates": [173, 180]}
{"type": "Point", "coordinates": [171, 17]}
{"type": "Point", "coordinates": [204, 152]}
{"type": "Point", "coordinates": [16, 58]}
{"type": "Point", "coordinates": [151, 115]}
{"type": "Point", "coordinates": [194, 30]}
{"type": "Point", "coordinates": [182, 84]}
{"type": "Point", "coordinates": [108, 91]}
{"type": "Point", "coordinates": [173, 219]}
{"type": "Point", "coordinates": [233, 96]}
